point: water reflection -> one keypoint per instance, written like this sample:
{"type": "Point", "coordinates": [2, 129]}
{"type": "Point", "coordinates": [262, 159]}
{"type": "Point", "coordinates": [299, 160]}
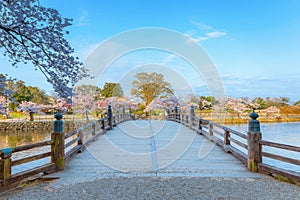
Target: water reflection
{"type": "Point", "coordinates": [13, 138]}
{"type": "Point", "coordinates": [283, 133]}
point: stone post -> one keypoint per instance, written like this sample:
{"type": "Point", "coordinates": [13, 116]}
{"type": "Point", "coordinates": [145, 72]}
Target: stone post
{"type": "Point", "coordinates": [109, 116]}
{"type": "Point", "coordinates": [254, 148]}
{"type": "Point", "coordinates": [58, 146]}
{"type": "Point", "coordinates": [5, 164]}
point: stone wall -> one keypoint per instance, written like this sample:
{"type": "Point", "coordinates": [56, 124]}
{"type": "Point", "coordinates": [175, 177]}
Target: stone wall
{"type": "Point", "coordinates": [39, 125]}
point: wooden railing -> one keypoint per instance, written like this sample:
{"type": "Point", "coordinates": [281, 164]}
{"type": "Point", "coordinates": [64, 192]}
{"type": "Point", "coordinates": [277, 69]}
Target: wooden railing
{"type": "Point", "coordinates": [275, 170]}
{"type": "Point", "coordinates": [249, 148]}
{"type": "Point", "coordinates": [59, 149]}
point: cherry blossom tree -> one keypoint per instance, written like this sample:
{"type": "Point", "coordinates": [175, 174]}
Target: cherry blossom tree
{"type": "Point", "coordinates": [2, 105]}
{"type": "Point", "coordinates": [85, 99]}
{"type": "Point", "coordinates": [59, 105]}
{"type": "Point", "coordinates": [163, 103]}
{"type": "Point", "coordinates": [32, 33]}
{"type": "Point", "coordinates": [30, 108]}
{"type": "Point", "coordinates": [5, 94]}
{"type": "Point", "coordinates": [117, 103]}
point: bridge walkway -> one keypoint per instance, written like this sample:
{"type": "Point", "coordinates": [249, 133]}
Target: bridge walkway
{"type": "Point", "coordinates": [156, 160]}
{"type": "Point", "coordinates": [152, 148]}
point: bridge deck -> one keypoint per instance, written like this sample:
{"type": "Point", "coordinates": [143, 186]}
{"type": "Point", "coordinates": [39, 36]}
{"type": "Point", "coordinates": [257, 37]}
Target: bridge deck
{"type": "Point", "coordinates": [157, 160]}
{"type": "Point", "coordinates": [152, 148]}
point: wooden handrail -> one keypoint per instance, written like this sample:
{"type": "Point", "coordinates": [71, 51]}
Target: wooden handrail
{"type": "Point", "coordinates": [281, 146]}
{"type": "Point", "coordinates": [32, 146]}
{"type": "Point", "coordinates": [225, 140]}
{"type": "Point", "coordinates": [85, 135]}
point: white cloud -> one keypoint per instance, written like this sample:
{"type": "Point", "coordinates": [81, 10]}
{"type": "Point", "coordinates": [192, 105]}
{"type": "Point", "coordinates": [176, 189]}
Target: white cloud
{"type": "Point", "coordinates": [209, 32]}
{"type": "Point", "coordinates": [202, 26]}
{"type": "Point", "coordinates": [215, 34]}
{"type": "Point", "coordinates": [238, 85]}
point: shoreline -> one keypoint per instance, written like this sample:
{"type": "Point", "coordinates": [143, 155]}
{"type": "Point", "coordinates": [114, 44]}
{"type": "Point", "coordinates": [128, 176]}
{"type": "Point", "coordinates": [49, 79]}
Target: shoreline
{"type": "Point", "coordinates": [227, 120]}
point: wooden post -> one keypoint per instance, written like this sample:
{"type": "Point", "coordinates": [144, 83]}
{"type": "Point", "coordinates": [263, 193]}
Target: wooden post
{"type": "Point", "coordinates": [5, 164]}
{"type": "Point", "coordinates": [168, 114]}
{"type": "Point", "coordinates": [187, 120]}
{"type": "Point", "coordinates": [200, 126]}
{"type": "Point", "coordinates": [80, 136]}
{"type": "Point", "coordinates": [94, 129]}
{"type": "Point", "coordinates": [109, 116]}
{"type": "Point", "coordinates": [226, 137]}
{"type": "Point", "coordinates": [176, 113]}
{"type": "Point", "coordinates": [103, 125]}
{"type": "Point", "coordinates": [123, 113]}
{"type": "Point", "coordinates": [58, 147]}
{"type": "Point", "coordinates": [192, 116]}
{"type": "Point", "coordinates": [254, 148]}
{"type": "Point", "coordinates": [31, 116]}
{"type": "Point", "coordinates": [211, 129]}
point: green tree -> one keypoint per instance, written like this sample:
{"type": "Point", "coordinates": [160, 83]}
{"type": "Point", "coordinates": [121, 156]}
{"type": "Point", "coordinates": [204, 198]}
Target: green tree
{"type": "Point", "coordinates": [88, 90]}
{"type": "Point", "coordinates": [38, 96]}
{"type": "Point", "coordinates": [261, 102]}
{"type": "Point", "coordinates": [297, 103]}
{"type": "Point", "coordinates": [21, 92]}
{"type": "Point", "coordinates": [112, 90]}
{"type": "Point", "coordinates": [150, 86]}
{"type": "Point", "coordinates": [207, 102]}
{"type": "Point", "coordinates": [284, 101]}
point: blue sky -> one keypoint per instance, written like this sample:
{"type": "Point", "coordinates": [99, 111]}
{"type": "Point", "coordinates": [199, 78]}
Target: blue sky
{"type": "Point", "coordinates": [254, 44]}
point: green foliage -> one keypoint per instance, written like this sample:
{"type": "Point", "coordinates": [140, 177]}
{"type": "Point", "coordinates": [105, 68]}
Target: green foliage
{"type": "Point", "coordinates": [88, 90]}
{"type": "Point", "coordinates": [277, 102]}
{"type": "Point", "coordinates": [261, 102]}
{"type": "Point", "coordinates": [297, 103]}
{"type": "Point", "coordinates": [285, 179]}
{"type": "Point", "coordinates": [112, 90]}
{"type": "Point", "coordinates": [38, 96]}
{"type": "Point", "coordinates": [156, 112]}
{"type": "Point", "coordinates": [140, 109]}
{"type": "Point", "coordinates": [19, 92]}
{"type": "Point", "coordinates": [150, 86]}
{"type": "Point", "coordinates": [284, 101]}
{"type": "Point", "coordinates": [210, 99]}
{"type": "Point", "coordinates": [139, 112]}
{"type": "Point", "coordinates": [13, 106]}
{"type": "Point", "coordinates": [15, 115]}
{"type": "Point", "coordinates": [29, 93]}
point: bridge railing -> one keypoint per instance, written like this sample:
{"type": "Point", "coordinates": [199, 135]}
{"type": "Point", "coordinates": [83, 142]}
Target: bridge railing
{"type": "Point", "coordinates": [249, 148]}
{"type": "Point", "coordinates": [51, 155]}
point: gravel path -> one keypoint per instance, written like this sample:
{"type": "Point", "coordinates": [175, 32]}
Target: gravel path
{"type": "Point", "coordinates": [161, 188]}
